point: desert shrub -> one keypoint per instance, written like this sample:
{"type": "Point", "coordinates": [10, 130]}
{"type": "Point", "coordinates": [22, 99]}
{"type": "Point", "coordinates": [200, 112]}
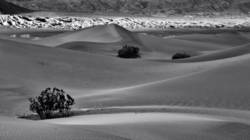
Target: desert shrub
{"type": "Point", "coordinates": [180, 56]}
{"type": "Point", "coordinates": [129, 52]}
{"type": "Point", "coordinates": [51, 102]}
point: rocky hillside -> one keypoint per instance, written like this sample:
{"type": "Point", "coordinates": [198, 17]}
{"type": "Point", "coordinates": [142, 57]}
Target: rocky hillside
{"type": "Point", "coordinates": [131, 23]}
{"type": "Point", "coordinates": [145, 7]}
{"type": "Point", "coordinates": [9, 8]}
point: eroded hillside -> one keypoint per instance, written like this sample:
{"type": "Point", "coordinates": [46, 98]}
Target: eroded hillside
{"type": "Point", "coordinates": [146, 7]}
{"type": "Point", "coordinates": [131, 23]}
{"type": "Point", "coordinates": [9, 8]}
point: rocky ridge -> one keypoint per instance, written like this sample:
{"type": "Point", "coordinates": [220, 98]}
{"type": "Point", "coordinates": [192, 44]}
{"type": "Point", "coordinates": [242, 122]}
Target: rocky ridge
{"type": "Point", "coordinates": [131, 23]}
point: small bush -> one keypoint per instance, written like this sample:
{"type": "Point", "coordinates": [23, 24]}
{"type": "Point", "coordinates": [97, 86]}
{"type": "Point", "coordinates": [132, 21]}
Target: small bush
{"type": "Point", "coordinates": [51, 102]}
{"type": "Point", "coordinates": [180, 56]}
{"type": "Point", "coordinates": [129, 52]}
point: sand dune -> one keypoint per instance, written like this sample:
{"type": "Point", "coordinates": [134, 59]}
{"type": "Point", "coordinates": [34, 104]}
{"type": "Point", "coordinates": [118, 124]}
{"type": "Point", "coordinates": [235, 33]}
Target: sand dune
{"type": "Point", "coordinates": [25, 64]}
{"type": "Point", "coordinates": [92, 47]}
{"type": "Point", "coordinates": [160, 126]}
{"type": "Point", "coordinates": [223, 54]}
{"type": "Point", "coordinates": [229, 38]}
{"type": "Point", "coordinates": [97, 34]}
{"type": "Point", "coordinates": [130, 118]}
{"type": "Point", "coordinates": [110, 38]}
{"type": "Point", "coordinates": [84, 63]}
{"type": "Point", "coordinates": [116, 36]}
{"type": "Point", "coordinates": [32, 68]}
{"type": "Point", "coordinates": [217, 87]}
{"type": "Point", "coordinates": [23, 130]}
{"type": "Point", "coordinates": [125, 126]}
{"type": "Point", "coordinates": [144, 125]}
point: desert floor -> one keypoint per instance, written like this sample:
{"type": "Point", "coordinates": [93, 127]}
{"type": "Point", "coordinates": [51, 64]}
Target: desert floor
{"type": "Point", "coordinates": [205, 97]}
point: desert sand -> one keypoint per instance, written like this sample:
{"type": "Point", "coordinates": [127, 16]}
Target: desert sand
{"type": "Point", "coordinates": [204, 97]}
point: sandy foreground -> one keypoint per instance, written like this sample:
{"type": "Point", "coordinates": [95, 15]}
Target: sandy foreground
{"type": "Point", "coordinates": [157, 125]}
{"type": "Point", "coordinates": [205, 97]}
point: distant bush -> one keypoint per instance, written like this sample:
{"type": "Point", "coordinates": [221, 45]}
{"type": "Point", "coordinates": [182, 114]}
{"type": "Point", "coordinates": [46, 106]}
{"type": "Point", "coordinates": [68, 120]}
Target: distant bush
{"type": "Point", "coordinates": [129, 52]}
{"type": "Point", "coordinates": [51, 102]}
{"type": "Point", "coordinates": [180, 56]}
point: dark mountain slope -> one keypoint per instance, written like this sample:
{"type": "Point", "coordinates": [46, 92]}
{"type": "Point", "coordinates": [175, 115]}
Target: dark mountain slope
{"type": "Point", "coordinates": [146, 7]}
{"type": "Point", "coordinates": [9, 8]}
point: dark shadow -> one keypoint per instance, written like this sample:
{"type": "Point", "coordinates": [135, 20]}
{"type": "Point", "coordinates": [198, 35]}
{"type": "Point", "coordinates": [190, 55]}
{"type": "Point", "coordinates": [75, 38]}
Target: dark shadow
{"type": "Point", "coordinates": [10, 8]}
{"type": "Point", "coordinates": [53, 116]}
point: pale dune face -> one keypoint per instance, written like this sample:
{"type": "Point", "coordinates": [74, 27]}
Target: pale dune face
{"type": "Point", "coordinates": [134, 118]}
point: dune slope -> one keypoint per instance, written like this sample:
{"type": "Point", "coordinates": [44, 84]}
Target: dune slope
{"type": "Point", "coordinates": [84, 64]}
{"type": "Point", "coordinates": [98, 34]}
{"type": "Point", "coordinates": [223, 54]}
{"type": "Point", "coordinates": [27, 69]}
{"type": "Point", "coordinates": [224, 86]}
{"type": "Point", "coordinates": [110, 38]}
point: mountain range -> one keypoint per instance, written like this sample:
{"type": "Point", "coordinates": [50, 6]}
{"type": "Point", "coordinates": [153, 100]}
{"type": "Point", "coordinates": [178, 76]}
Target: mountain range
{"type": "Point", "coordinates": [144, 7]}
{"type": "Point", "coordinates": [10, 8]}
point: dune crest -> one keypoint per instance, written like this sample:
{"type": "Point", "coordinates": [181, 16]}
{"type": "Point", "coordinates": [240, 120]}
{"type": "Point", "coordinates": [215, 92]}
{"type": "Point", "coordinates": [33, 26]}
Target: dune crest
{"type": "Point", "coordinates": [98, 34]}
{"type": "Point", "coordinates": [110, 38]}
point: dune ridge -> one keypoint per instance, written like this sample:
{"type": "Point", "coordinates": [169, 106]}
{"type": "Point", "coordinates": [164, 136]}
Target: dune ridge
{"type": "Point", "coordinates": [223, 54]}
{"type": "Point", "coordinates": [111, 33]}
{"type": "Point", "coordinates": [149, 43]}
